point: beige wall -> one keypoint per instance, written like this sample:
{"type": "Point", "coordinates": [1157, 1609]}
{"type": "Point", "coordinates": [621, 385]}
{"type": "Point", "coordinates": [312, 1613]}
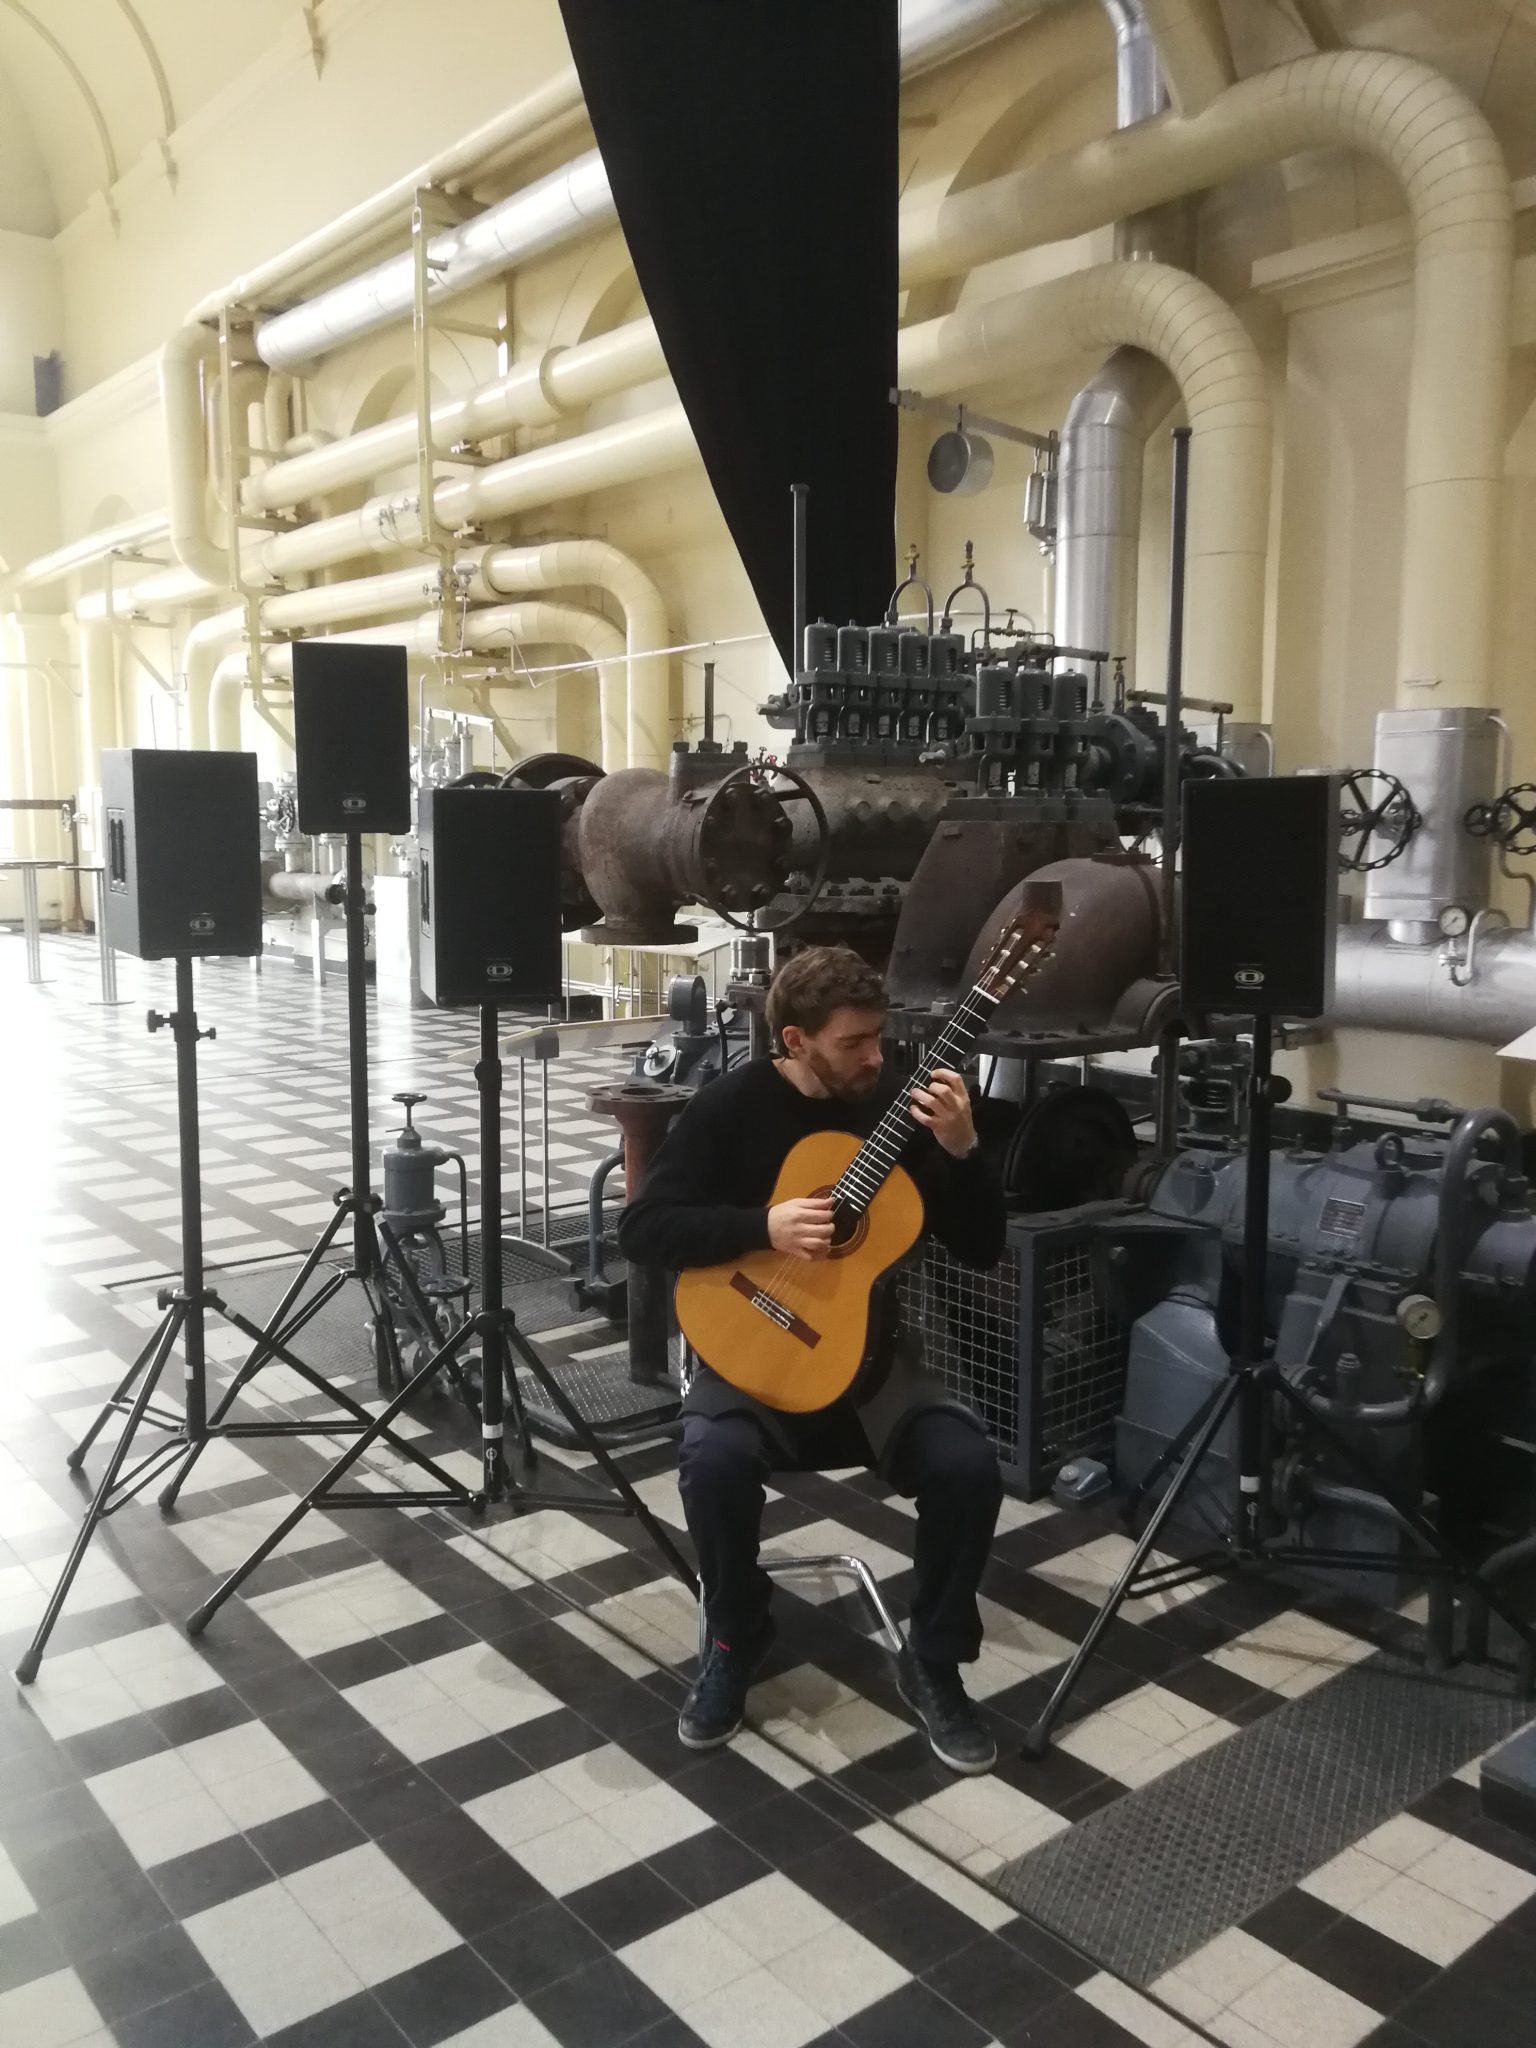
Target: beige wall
{"type": "Point", "coordinates": [281, 150]}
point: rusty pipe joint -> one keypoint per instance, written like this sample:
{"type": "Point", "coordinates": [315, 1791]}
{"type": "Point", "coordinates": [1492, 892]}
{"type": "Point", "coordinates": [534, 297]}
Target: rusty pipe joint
{"type": "Point", "coordinates": [647, 848]}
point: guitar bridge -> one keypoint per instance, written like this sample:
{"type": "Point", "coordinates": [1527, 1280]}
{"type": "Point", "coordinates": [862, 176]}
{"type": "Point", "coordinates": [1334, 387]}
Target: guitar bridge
{"type": "Point", "coordinates": [775, 1310]}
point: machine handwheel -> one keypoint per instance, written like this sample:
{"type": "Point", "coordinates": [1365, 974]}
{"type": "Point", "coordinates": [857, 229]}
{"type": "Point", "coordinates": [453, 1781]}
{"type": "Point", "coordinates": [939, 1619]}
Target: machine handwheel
{"type": "Point", "coordinates": [768, 775]}
{"type": "Point", "coordinates": [1374, 804]}
{"type": "Point", "coordinates": [1510, 819]}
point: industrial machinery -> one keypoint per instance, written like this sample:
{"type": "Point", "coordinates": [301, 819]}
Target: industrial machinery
{"type": "Point", "coordinates": [413, 1217]}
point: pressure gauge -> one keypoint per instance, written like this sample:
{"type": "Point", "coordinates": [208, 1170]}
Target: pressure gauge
{"type": "Point", "coordinates": [1419, 1315]}
{"type": "Point", "coordinates": [1453, 922]}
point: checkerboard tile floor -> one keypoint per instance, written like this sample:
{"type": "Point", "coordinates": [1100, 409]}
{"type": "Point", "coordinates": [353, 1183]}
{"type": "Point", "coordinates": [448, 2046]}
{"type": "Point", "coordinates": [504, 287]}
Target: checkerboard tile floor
{"type": "Point", "coordinates": [422, 1784]}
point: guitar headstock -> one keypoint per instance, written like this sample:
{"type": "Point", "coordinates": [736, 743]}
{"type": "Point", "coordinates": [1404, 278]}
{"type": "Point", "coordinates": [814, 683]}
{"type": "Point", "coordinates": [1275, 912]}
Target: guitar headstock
{"type": "Point", "coordinates": [1024, 943]}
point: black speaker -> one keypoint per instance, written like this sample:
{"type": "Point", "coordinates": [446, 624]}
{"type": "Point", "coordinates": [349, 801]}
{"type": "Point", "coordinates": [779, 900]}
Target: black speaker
{"type": "Point", "coordinates": [183, 852]}
{"type": "Point", "coordinates": [490, 895]}
{"type": "Point", "coordinates": [1260, 895]}
{"type": "Point", "coordinates": [351, 738]}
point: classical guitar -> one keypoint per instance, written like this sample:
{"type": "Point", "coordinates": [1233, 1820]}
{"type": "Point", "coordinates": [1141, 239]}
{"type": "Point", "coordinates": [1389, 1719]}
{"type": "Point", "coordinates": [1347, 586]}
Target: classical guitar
{"type": "Point", "coordinates": [792, 1332]}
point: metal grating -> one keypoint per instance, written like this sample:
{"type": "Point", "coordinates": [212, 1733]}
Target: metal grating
{"type": "Point", "coordinates": [1081, 1357]}
{"type": "Point", "coordinates": [1146, 1881]}
{"type": "Point", "coordinates": [1029, 1344]}
{"type": "Point", "coordinates": [969, 1322]}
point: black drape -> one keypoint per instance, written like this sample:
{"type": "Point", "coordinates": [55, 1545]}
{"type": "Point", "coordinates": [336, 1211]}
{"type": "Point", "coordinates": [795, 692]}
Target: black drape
{"type": "Point", "coordinates": [751, 147]}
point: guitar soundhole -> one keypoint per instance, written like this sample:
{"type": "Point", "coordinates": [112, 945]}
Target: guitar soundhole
{"type": "Point", "coordinates": [849, 1226]}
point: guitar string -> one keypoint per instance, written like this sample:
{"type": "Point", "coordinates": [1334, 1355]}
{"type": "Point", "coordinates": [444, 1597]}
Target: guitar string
{"type": "Point", "coordinates": [901, 1124]}
{"type": "Point", "coordinates": [782, 1282]}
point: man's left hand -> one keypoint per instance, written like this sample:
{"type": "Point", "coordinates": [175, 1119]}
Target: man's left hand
{"type": "Point", "coordinates": [944, 1107]}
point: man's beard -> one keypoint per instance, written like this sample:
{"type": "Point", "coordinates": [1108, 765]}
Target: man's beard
{"type": "Point", "coordinates": [858, 1089]}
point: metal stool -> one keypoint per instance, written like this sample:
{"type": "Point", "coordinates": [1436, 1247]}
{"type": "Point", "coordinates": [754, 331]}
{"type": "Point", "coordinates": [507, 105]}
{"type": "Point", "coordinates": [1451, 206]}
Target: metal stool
{"type": "Point", "coordinates": [845, 1564]}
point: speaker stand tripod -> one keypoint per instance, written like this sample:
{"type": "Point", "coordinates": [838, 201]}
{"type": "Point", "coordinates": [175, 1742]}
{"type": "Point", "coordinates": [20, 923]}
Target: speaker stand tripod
{"type": "Point", "coordinates": [1251, 1386]}
{"type": "Point", "coordinates": [494, 1327]}
{"type": "Point", "coordinates": [356, 1204]}
{"type": "Point", "coordinates": [185, 1320]}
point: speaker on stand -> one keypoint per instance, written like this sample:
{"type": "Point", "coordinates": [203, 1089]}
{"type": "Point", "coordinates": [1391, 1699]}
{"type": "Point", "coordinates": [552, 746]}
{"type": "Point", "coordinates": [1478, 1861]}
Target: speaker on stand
{"type": "Point", "coordinates": [1257, 933]}
{"type": "Point", "coordinates": [351, 724]}
{"type": "Point", "coordinates": [490, 938]}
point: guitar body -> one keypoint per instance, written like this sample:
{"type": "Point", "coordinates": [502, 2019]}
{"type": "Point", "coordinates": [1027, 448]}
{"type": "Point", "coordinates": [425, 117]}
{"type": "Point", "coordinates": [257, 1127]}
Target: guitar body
{"type": "Point", "coordinates": [793, 1333]}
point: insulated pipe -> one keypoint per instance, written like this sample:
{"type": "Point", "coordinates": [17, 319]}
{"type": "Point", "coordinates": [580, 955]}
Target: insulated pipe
{"type": "Point", "coordinates": [1208, 352]}
{"type": "Point", "coordinates": [550, 110]}
{"type": "Point", "coordinates": [1098, 502]}
{"type": "Point", "coordinates": [553, 210]}
{"type": "Point", "coordinates": [533, 393]}
{"type": "Point", "coordinates": [125, 538]}
{"type": "Point", "coordinates": [494, 626]}
{"type": "Point", "coordinates": [1193, 48]}
{"type": "Point", "coordinates": [569, 202]}
{"type": "Point", "coordinates": [1382, 986]}
{"type": "Point", "coordinates": [182, 363]}
{"type": "Point", "coordinates": [1447, 160]}
{"type": "Point", "coordinates": [629, 451]}
{"type": "Point", "coordinates": [641, 736]}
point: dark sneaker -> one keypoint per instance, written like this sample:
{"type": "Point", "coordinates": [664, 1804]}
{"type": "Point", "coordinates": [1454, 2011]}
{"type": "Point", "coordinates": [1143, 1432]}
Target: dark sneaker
{"type": "Point", "coordinates": [956, 1734]}
{"type": "Point", "coordinates": [714, 1708]}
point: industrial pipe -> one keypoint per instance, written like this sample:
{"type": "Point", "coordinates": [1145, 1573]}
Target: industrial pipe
{"type": "Point", "coordinates": [533, 393]}
{"type": "Point", "coordinates": [1208, 351]}
{"type": "Point", "coordinates": [1382, 986]}
{"type": "Point", "coordinates": [182, 363]}
{"type": "Point", "coordinates": [493, 626]}
{"type": "Point", "coordinates": [144, 530]}
{"type": "Point", "coordinates": [626, 452]}
{"type": "Point", "coordinates": [1446, 158]}
{"type": "Point", "coordinates": [1193, 49]}
{"type": "Point", "coordinates": [572, 201]}
{"type": "Point", "coordinates": [1098, 502]}
{"type": "Point", "coordinates": [637, 723]}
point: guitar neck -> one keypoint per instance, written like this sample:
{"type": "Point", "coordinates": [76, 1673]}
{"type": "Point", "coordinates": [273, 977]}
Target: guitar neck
{"type": "Point", "coordinates": [865, 1174]}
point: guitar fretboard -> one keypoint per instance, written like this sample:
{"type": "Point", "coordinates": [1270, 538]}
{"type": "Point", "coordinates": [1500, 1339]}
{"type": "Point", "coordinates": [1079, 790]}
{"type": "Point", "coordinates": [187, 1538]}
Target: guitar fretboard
{"type": "Point", "coordinates": [865, 1174]}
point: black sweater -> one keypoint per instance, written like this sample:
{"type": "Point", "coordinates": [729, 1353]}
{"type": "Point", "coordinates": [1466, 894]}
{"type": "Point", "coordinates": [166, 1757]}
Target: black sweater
{"type": "Point", "coordinates": [705, 1198]}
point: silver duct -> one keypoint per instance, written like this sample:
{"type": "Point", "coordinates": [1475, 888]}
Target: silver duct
{"type": "Point", "coordinates": [1099, 462]}
{"type": "Point", "coordinates": [571, 201]}
{"type": "Point", "coordinates": [1380, 985]}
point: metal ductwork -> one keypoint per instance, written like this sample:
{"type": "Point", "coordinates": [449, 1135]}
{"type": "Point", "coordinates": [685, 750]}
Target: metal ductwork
{"type": "Point", "coordinates": [572, 201]}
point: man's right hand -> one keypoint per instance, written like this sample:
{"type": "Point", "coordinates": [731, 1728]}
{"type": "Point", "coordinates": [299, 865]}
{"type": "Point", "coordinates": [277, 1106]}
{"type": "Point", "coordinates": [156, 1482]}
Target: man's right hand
{"type": "Point", "coordinates": [802, 1228]}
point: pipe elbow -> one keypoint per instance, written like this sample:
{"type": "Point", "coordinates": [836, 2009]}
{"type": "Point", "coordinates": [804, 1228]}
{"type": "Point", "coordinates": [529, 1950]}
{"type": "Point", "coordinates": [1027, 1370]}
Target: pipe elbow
{"type": "Point", "coordinates": [182, 362]}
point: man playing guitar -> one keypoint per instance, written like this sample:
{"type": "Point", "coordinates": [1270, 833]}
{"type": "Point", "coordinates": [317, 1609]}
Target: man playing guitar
{"type": "Point", "coordinates": [704, 1202]}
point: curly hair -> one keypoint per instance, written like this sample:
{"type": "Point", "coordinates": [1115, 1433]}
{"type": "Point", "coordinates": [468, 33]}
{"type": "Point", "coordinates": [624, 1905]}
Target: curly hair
{"type": "Point", "coordinates": [810, 986]}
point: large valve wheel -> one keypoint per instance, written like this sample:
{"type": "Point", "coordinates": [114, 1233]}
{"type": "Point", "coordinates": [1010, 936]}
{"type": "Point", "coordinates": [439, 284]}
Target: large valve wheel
{"type": "Point", "coordinates": [1510, 819]}
{"type": "Point", "coordinates": [1374, 806]}
{"type": "Point", "coordinates": [768, 775]}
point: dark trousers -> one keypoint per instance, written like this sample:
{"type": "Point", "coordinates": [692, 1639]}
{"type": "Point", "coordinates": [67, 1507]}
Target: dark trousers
{"type": "Point", "coordinates": [942, 1460]}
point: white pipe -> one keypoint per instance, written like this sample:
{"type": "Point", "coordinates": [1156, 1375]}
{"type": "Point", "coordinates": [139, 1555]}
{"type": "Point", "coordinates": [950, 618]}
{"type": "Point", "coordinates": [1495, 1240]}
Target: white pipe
{"type": "Point", "coordinates": [124, 538]}
{"type": "Point", "coordinates": [1208, 353]}
{"type": "Point", "coordinates": [182, 363]}
{"type": "Point", "coordinates": [534, 392]}
{"type": "Point", "coordinates": [494, 626]}
{"type": "Point", "coordinates": [1193, 48]}
{"type": "Point", "coordinates": [641, 732]}
{"type": "Point", "coordinates": [627, 452]}
{"type": "Point", "coordinates": [550, 110]}
{"type": "Point", "coordinates": [574, 200]}
{"type": "Point", "coordinates": [554, 210]}
{"type": "Point", "coordinates": [1447, 160]}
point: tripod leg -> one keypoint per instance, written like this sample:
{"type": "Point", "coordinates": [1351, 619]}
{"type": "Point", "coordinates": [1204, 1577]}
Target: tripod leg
{"type": "Point", "coordinates": [1427, 1533]}
{"type": "Point", "coordinates": [160, 1349]}
{"type": "Point", "coordinates": [78, 1455]}
{"type": "Point", "coordinates": [459, 1495]}
{"type": "Point", "coordinates": [1038, 1738]}
{"type": "Point", "coordinates": [268, 1346]}
{"type": "Point", "coordinates": [594, 1444]}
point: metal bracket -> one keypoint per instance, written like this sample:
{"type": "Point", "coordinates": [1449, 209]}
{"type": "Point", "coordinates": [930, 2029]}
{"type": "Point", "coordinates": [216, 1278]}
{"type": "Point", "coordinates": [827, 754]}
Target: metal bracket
{"type": "Point", "coordinates": [962, 416]}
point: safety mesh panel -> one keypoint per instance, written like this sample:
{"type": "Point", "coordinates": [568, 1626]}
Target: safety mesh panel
{"type": "Point", "coordinates": [970, 1327]}
{"type": "Point", "coordinates": [1081, 1355]}
{"type": "Point", "coordinates": [1072, 1353]}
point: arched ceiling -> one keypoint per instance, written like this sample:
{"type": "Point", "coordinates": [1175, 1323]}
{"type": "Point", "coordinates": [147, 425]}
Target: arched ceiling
{"type": "Point", "coordinates": [87, 86]}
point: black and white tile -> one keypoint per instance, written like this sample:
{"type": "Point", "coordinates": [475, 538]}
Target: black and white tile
{"type": "Point", "coordinates": [421, 1784]}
